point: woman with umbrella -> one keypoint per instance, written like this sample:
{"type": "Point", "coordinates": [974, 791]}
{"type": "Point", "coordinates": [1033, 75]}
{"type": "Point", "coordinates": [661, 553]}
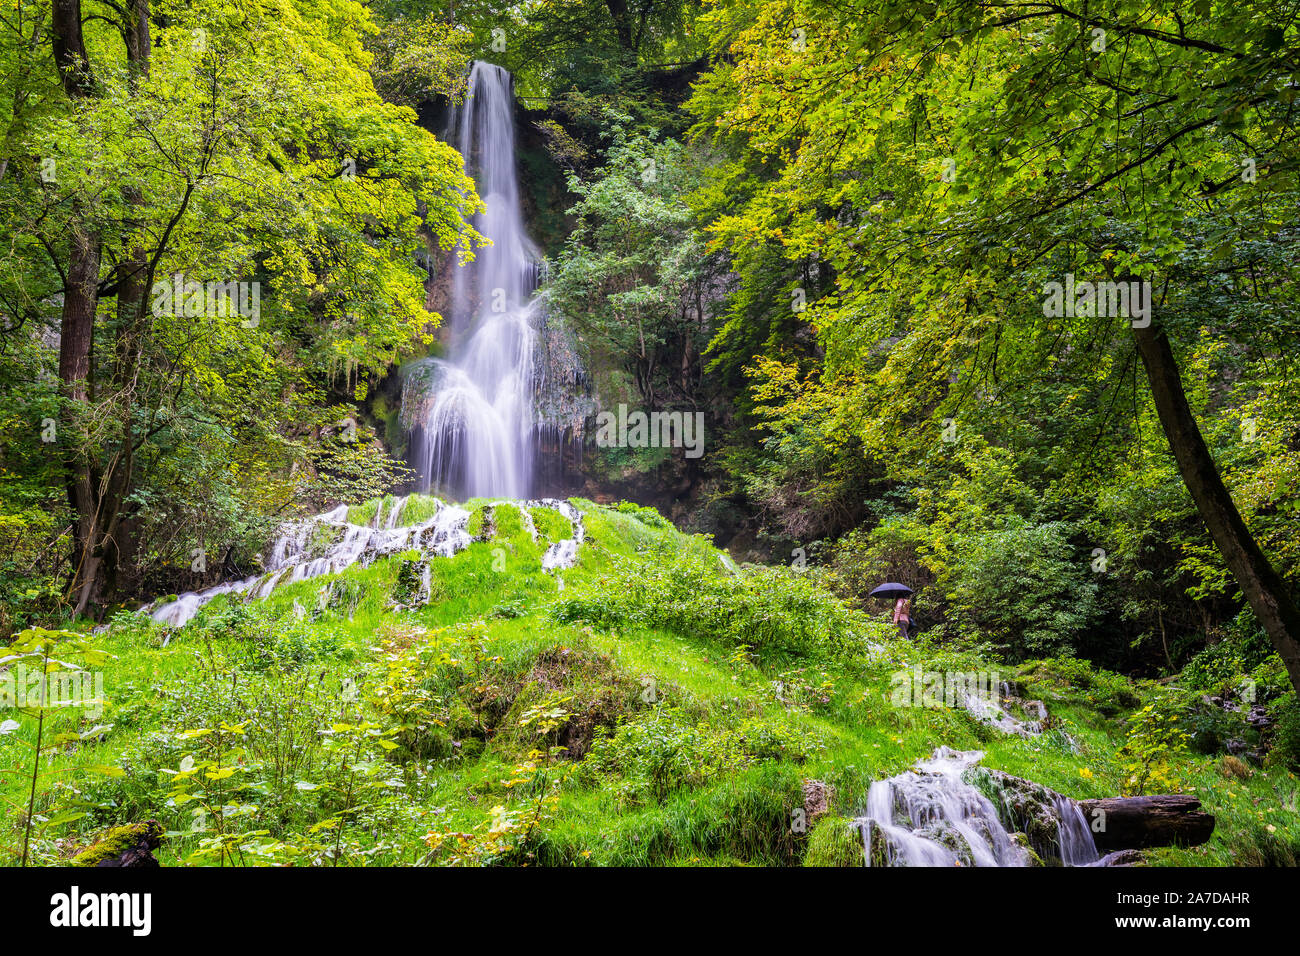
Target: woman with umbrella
{"type": "Point", "coordinates": [902, 595]}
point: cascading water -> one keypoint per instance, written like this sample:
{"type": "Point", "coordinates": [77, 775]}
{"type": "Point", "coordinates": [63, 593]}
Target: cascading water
{"type": "Point", "coordinates": [930, 816]}
{"type": "Point", "coordinates": [328, 544]}
{"type": "Point", "coordinates": [934, 815]}
{"type": "Point", "coordinates": [472, 433]}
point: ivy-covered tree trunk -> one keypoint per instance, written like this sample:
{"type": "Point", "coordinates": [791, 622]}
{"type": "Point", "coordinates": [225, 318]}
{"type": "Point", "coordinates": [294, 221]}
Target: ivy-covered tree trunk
{"type": "Point", "coordinates": [77, 325]}
{"type": "Point", "coordinates": [1263, 587]}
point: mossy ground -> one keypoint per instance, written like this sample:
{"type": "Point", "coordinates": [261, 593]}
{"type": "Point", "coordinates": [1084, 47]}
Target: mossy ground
{"type": "Point", "coordinates": [508, 722]}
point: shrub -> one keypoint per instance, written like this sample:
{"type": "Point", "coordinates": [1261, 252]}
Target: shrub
{"type": "Point", "coordinates": [1153, 747]}
{"type": "Point", "coordinates": [1073, 678]}
{"type": "Point", "coordinates": [1208, 726]}
{"type": "Point", "coordinates": [1286, 743]}
{"type": "Point", "coordinates": [1024, 586]}
{"type": "Point", "coordinates": [647, 516]}
{"type": "Point", "coordinates": [769, 609]}
{"type": "Point", "coordinates": [660, 753]}
{"type": "Point", "coordinates": [1224, 663]}
{"type": "Point", "coordinates": [769, 738]}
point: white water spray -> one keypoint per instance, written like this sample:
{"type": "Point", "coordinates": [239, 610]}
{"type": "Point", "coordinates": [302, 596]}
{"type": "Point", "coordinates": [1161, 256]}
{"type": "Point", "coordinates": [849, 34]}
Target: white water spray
{"type": "Point", "coordinates": [327, 544]}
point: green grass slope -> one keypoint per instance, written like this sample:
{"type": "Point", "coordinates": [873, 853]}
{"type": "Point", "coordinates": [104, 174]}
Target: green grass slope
{"type": "Point", "coordinates": [653, 705]}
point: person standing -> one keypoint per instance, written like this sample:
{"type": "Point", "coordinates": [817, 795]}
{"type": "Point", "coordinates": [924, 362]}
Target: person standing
{"type": "Point", "coordinates": [903, 616]}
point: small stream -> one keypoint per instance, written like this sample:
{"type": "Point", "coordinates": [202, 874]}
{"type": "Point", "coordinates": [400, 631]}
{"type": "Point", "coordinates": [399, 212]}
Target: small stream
{"type": "Point", "coordinates": [328, 543]}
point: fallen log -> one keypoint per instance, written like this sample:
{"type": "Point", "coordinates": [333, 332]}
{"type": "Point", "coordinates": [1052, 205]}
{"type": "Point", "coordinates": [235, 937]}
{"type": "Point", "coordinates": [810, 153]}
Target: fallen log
{"type": "Point", "coordinates": [125, 846]}
{"type": "Point", "coordinates": [1133, 823]}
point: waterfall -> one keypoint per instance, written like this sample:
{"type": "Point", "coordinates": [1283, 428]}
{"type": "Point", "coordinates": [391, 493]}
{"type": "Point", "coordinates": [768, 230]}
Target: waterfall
{"type": "Point", "coordinates": [934, 815]}
{"type": "Point", "coordinates": [473, 418]}
{"type": "Point", "coordinates": [930, 816]}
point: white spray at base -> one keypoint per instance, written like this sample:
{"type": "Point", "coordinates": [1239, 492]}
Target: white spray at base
{"type": "Point", "coordinates": [328, 543]}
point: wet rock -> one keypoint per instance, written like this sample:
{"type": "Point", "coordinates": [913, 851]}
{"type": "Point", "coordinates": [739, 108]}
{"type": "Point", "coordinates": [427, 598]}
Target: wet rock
{"type": "Point", "coordinates": [1052, 823]}
{"type": "Point", "coordinates": [1259, 718]}
{"type": "Point", "coordinates": [1122, 858]}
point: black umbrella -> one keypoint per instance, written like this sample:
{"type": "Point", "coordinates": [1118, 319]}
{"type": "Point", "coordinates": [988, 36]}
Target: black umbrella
{"type": "Point", "coordinates": [891, 590]}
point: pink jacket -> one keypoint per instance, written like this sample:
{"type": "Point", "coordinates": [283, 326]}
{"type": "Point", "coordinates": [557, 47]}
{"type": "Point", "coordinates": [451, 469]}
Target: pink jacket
{"type": "Point", "coordinates": [902, 610]}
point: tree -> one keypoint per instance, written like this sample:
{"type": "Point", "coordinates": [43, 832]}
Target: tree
{"type": "Point", "coordinates": [247, 163]}
{"type": "Point", "coordinates": [633, 277]}
{"type": "Point", "coordinates": [950, 159]}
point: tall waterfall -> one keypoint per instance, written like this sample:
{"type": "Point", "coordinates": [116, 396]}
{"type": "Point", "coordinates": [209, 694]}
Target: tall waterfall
{"type": "Point", "coordinates": [474, 429]}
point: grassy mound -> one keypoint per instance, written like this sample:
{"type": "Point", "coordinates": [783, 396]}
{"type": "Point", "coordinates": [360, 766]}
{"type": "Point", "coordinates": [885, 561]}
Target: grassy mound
{"type": "Point", "coordinates": [652, 705]}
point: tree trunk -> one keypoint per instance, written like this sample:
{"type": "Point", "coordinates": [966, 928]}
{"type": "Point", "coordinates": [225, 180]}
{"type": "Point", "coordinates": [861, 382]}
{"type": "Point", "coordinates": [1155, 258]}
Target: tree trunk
{"type": "Point", "coordinates": [135, 32]}
{"type": "Point", "coordinates": [1132, 823]}
{"type": "Point", "coordinates": [133, 328]}
{"type": "Point", "coordinates": [70, 48]}
{"type": "Point", "coordinates": [622, 22]}
{"type": "Point", "coordinates": [77, 328]}
{"type": "Point", "coordinates": [96, 497]}
{"type": "Point", "coordinates": [77, 323]}
{"type": "Point", "coordinates": [1263, 587]}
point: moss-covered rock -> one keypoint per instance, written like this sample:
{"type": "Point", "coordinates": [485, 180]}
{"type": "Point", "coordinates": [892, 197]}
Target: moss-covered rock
{"type": "Point", "coordinates": [1026, 808]}
{"type": "Point", "coordinates": [411, 589]}
{"type": "Point", "coordinates": [127, 845]}
{"type": "Point", "coordinates": [1022, 840]}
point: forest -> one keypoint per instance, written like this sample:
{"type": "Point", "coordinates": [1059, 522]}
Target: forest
{"type": "Point", "coordinates": [649, 433]}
